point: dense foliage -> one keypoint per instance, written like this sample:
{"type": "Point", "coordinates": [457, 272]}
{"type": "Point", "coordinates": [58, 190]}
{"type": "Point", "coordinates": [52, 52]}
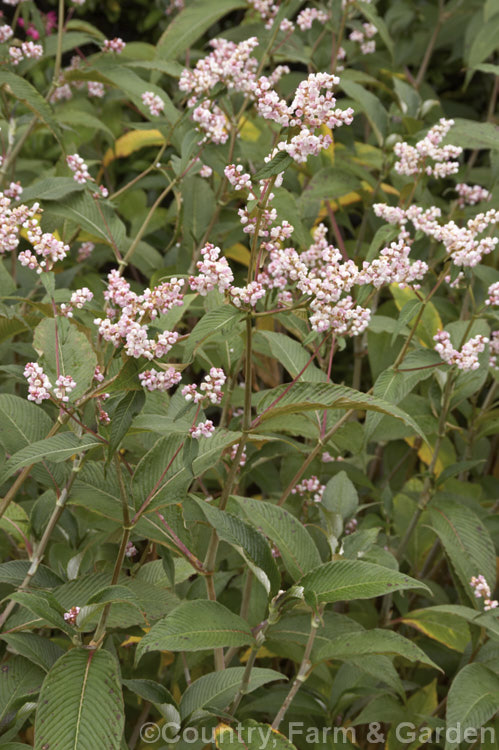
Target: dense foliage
{"type": "Point", "coordinates": [250, 353]}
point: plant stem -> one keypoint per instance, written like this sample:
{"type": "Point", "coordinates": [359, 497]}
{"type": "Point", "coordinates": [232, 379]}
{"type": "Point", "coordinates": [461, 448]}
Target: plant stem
{"type": "Point", "coordinates": [40, 549]}
{"type": "Point", "coordinates": [58, 53]}
{"type": "Point", "coordinates": [303, 671]}
{"type": "Point", "coordinates": [431, 45]}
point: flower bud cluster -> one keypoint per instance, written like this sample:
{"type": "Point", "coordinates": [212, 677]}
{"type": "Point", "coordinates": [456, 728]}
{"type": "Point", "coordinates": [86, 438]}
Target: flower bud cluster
{"type": "Point", "coordinates": [493, 295]}
{"type": "Point", "coordinates": [311, 486]}
{"type": "Point", "coordinates": [470, 195]}
{"type": "Point", "coordinates": [209, 390]}
{"type": "Point", "coordinates": [307, 16]}
{"type": "Point", "coordinates": [414, 159]}
{"type": "Point", "coordinates": [365, 38]}
{"type": "Point", "coordinates": [154, 103]}
{"type": "Point", "coordinates": [202, 429]}
{"type": "Point", "coordinates": [78, 299]}
{"type": "Point", "coordinates": [116, 45]}
{"type": "Point", "coordinates": [130, 329]}
{"type": "Point", "coordinates": [482, 590]}
{"type": "Point", "coordinates": [160, 381]}
{"type": "Point", "coordinates": [467, 358]}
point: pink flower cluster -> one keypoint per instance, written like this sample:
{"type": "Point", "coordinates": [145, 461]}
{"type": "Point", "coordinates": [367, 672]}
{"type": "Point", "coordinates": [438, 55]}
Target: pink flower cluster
{"type": "Point", "coordinates": [116, 45]}
{"type": "Point", "coordinates": [154, 103]}
{"type": "Point", "coordinates": [79, 168]}
{"type": "Point", "coordinates": [28, 50]}
{"type": "Point", "coordinates": [160, 381]}
{"type": "Point", "coordinates": [5, 33]}
{"type": "Point", "coordinates": [14, 191]}
{"type": "Point", "coordinates": [310, 486]}
{"type": "Point", "coordinates": [461, 243]}
{"type": "Point", "coordinates": [130, 328]}
{"type": "Point", "coordinates": [209, 390]}
{"type": "Point", "coordinates": [482, 590]}
{"type": "Point", "coordinates": [72, 615]}
{"type": "Point", "coordinates": [64, 385]}
{"type": "Point", "coordinates": [493, 295]}
{"type": "Point", "coordinates": [46, 246]}
{"type": "Point", "coordinates": [202, 429]}
{"type": "Point", "coordinates": [467, 358]}
{"type": "Point", "coordinates": [494, 350]}
{"type": "Point", "coordinates": [307, 16]}
{"type": "Point", "coordinates": [78, 299]}
{"type": "Point", "coordinates": [230, 64]}
{"type": "Point", "coordinates": [85, 251]}
{"type": "Point", "coordinates": [470, 195]}
{"type": "Point", "coordinates": [365, 38]}
{"type": "Point", "coordinates": [414, 159]}
{"type": "Point", "coordinates": [214, 272]}
{"type": "Point", "coordinates": [38, 383]}
{"type": "Point", "coordinates": [351, 526]}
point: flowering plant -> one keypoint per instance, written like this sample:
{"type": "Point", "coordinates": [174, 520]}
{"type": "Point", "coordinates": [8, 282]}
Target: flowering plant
{"type": "Point", "coordinates": [249, 326]}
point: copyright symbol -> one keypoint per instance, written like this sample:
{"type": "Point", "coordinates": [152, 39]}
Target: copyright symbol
{"type": "Point", "coordinates": [150, 732]}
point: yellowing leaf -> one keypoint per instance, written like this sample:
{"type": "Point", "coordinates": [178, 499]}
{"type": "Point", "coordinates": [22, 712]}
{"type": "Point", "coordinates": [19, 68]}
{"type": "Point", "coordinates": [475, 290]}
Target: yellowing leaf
{"type": "Point", "coordinates": [330, 150]}
{"type": "Point", "coordinates": [430, 321]}
{"type": "Point", "coordinates": [443, 627]}
{"type": "Point", "coordinates": [446, 454]}
{"type": "Point", "coordinates": [389, 189]}
{"type": "Point", "coordinates": [248, 131]}
{"type": "Point", "coordinates": [262, 653]}
{"type": "Point", "coordinates": [239, 253]}
{"type": "Point", "coordinates": [132, 141]}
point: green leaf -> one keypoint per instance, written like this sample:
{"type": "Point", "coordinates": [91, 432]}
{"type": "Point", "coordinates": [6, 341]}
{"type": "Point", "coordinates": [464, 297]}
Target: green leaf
{"type": "Point", "coordinates": [473, 135]}
{"type": "Point", "coordinates": [330, 184]}
{"type": "Point", "coordinates": [191, 23]}
{"type": "Point", "coordinates": [196, 626]}
{"type": "Point", "coordinates": [38, 650]}
{"type": "Point", "coordinates": [44, 606]}
{"type": "Point", "coordinates": [55, 449]}
{"type": "Point", "coordinates": [250, 735]}
{"type": "Point", "coordinates": [76, 356]}
{"type": "Point", "coordinates": [51, 189]}
{"type": "Point", "coordinates": [22, 422]}
{"type": "Point", "coordinates": [373, 642]}
{"type": "Point", "coordinates": [340, 496]}
{"type": "Point", "coordinates": [150, 691]}
{"type": "Point", "coordinates": [21, 89]}
{"type": "Point", "coordinates": [101, 221]}
{"type": "Point", "coordinates": [466, 542]}
{"type": "Point", "coordinates": [443, 627]}
{"type": "Point", "coordinates": [344, 580]}
{"type": "Point", "coordinates": [484, 43]}
{"type": "Point", "coordinates": [221, 321]}
{"type": "Point", "coordinates": [472, 700]}
{"type": "Point", "coordinates": [249, 542]}
{"type": "Point", "coordinates": [83, 688]}
{"type": "Point", "coordinates": [371, 106]}
{"type": "Point", "coordinates": [297, 548]}
{"type": "Point", "coordinates": [306, 397]}
{"type": "Point", "coordinates": [199, 205]}
{"type": "Point", "coordinates": [130, 405]}
{"type": "Point", "coordinates": [289, 353]}
{"type": "Point", "coordinates": [275, 166]}
{"type": "Point", "coordinates": [14, 572]}
{"type": "Point", "coordinates": [217, 689]}
{"type": "Point", "coordinates": [20, 681]}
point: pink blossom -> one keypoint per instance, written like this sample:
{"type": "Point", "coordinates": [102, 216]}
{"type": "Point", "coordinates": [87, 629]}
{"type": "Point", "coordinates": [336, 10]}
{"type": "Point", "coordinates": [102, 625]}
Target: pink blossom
{"type": "Point", "coordinates": [482, 590]}
{"type": "Point", "coordinates": [160, 381]}
{"type": "Point", "coordinates": [469, 195]}
{"type": "Point", "coordinates": [64, 385]}
{"type": "Point", "coordinates": [493, 295]}
{"type": "Point", "coordinates": [85, 251]}
{"type": "Point", "coordinates": [202, 429]}
{"type": "Point", "coordinates": [311, 486]}
{"type": "Point", "coordinates": [308, 15]}
{"type": "Point", "coordinates": [414, 159]}
{"type": "Point", "coordinates": [214, 272]}
{"type": "Point", "coordinates": [71, 615]}
{"type": "Point", "coordinates": [154, 103]}
{"type": "Point", "coordinates": [78, 167]}
{"type": "Point", "coordinates": [467, 358]}
{"type": "Point", "coordinates": [38, 383]}
{"type": "Point", "coordinates": [5, 33]}
{"type": "Point", "coordinates": [116, 45]}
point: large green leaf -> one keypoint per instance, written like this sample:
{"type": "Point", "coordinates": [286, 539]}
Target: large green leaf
{"type": "Point", "coordinates": [21, 89]}
{"type": "Point", "coordinates": [100, 221]}
{"type": "Point", "coordinates": [295, 544]}
{"type": "Point", "coordinates": [344, 580]}
{"type": "Point", "coordinates": [55, 449]}
{"type": "Point", "coordinates": [249, 542]}
{"type": "Point", "coordinates": [21, 422]}
{"type": "Point", "coordinates": [289, 353]}
{"type": "Point", "coordinates": [473, 699]}
{"type": "Point", "coordinates": [466, 542]}
{"type": "Point", "coordinates": [370, 105]}
{"type": "Point", "coordinates": [196, 626]}
{"type": "Point", "coordinates": [81, 705]}
{"type": "Point", "coordinates": [373, 642]}
{"type": "Point", "coordinates": [222, 320]}
{"type": "Point", "coordinates": [51, 189]}
{"type": "Point", "coordinates": [217, 689]}
{"type": "Point", "coordinates": [191, 23]}
{"type": "Point", "coordinates": [130, 405]}
{"type": "Point", "coordinates": [75, 354]}
{"type": "Point", "coordinates": [38, 650]}
{"type": "Point", "coordinates": [443, 627]}
{"type": "Point", "coordinates": [20, 681]}
{"type": "Point", "coordinates": [330, 184]}
{"type": "Point", "coordinates": [317, 396]}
